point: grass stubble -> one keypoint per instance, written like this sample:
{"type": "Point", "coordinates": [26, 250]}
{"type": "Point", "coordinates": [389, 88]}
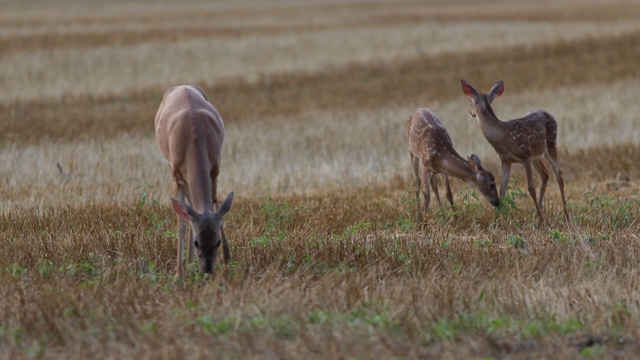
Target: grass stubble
{"type": "Point", "coordinates": [326, 265]}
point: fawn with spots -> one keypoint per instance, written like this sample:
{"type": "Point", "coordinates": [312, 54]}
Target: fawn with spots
{"type": "Point", "coordinates": [525, 140]}
{"type": "Point", "coordinates": [431, 146]}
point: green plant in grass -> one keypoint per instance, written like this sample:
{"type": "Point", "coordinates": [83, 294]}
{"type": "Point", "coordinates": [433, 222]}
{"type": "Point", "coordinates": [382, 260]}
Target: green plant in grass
{"type": "Point", "coordinates": [611, 209]}
{"type": "Point", "coordinates": [277, 214]}
{"type": "Point", "coordinates": [515, 241]}
{"type": "Point", "coordinates": [558, 236]}
{"type": "Point", "coordinates": [152, 210]}
{"type": "Point", "coordinates": [508, 204]}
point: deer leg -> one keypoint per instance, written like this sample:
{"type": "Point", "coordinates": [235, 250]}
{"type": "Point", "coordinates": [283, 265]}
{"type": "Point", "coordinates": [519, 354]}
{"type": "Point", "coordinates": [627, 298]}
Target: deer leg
{"type": "Point", "coordinates": [544, 177]}
{"type": "Point", "coordinates": [226, 252]}
{"type": "Point", "coordinates": [434, 187]}
{"type": "Point", "coordinates": [426, 180]}
{"type": "Point", "coordinates": [192, 248]}
{"type": "Point", "coordinates": [178, 193]}
{"type": "Point", "coordinates": [415, 165]}
{"type": "Point", "coordinates": [448, 187]}
{"type": "Point", "coordinates": [506, 171]}
{"type": "Point", "coordinates": [531, 187]}
{"type": "Point", "coordinates": [552, 157]}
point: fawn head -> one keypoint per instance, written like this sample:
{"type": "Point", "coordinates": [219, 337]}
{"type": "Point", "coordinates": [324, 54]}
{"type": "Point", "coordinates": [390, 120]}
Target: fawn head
{"type": "Point", "coordinates": [480, 101]}
{"type": "Point", "coordinates": [484, 181]}
{"type": "Point", "coordinates": [206, 228]}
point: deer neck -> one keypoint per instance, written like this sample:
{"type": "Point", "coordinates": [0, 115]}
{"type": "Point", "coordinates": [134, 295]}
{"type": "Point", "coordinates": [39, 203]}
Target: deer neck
{"type": "Point", "coordinates": [492, 128]}
{"type": "Point", "coordinates": [455, 165]}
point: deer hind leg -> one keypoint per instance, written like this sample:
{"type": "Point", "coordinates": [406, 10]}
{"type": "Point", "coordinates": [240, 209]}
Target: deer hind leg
{"type": "Point", "coordinates": [552, 158]}
{"type": "Point", "coordinates": [531, 187]}
{"type": "Point", "coordinates": [415, 165]}
{"type": "Point", "coordinates": [544, 178]}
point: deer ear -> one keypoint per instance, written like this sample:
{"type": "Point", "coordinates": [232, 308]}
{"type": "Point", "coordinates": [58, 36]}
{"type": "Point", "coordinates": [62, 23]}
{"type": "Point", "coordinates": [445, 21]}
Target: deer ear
{"type": "Point", "coordinates": [477, 161]}
{"type": "Point", "coordinates": [496, 90]}
{"type": "Point", "coordinates": [468, 90]}
{"type": "Point", "coordinates": [183, 210]}
{"type": "Point", "coordinates": [473, 164]}
{"type": "Point", "coordinates": [226, 204]}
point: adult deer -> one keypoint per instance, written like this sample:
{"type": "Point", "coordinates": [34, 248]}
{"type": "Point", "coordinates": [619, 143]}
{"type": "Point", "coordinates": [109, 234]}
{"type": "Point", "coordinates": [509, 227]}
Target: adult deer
{"type": "Point", "coordinates": [430, 144]}
{"type": "Point", "coordinates": [190, 131]}
{"type": "Point", "coordinates": [524, 140]}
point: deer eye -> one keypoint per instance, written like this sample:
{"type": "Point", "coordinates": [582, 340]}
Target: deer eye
{"type": "Point", "coordinates": [196, 243]}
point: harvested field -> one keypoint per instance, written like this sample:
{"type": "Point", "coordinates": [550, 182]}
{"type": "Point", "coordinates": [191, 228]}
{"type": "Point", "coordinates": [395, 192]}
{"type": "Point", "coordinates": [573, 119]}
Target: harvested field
{"type": "Point", "coordinates": [328, 260]}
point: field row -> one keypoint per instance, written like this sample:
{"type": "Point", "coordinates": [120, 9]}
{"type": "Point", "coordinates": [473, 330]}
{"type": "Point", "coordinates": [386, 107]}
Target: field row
{"type": "Point", "coordinates": [119, 65]}
{"type": "Point", "coordinates": [312, 152]}
{"type": "Point", "coordinates": [71, 17]}
{"type": "Point", "coordinates": [413, 83]}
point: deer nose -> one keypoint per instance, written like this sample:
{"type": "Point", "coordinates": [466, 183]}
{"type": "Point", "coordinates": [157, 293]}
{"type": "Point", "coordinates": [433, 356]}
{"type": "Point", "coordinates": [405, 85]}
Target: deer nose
{"type": "Point", "coordinates": [496, 203]}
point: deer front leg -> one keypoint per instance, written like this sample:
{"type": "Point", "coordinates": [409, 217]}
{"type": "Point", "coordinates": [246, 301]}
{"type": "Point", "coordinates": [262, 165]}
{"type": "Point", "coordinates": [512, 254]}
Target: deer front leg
{"type": "Point", "coordinates": [434, 187]}
{"type": "Point", "coordinates": [226, 252]}
{"type": "Point", "coordinates": [544, 177]}
{"type": "Point", "coordinates": [426, 180]}
{"type": "Point", "coordinates": [191, 245]}
{"type": "Point", "coordinates": [506, 172]}
{"type": "Point", "coordinates": [182, 229]}
{"type": "Point", "coordinates": [449, 193]}
{"type": "Point", "coordinates": [415, 165]}
{"type": "Point", "coordinates": [531, 187]}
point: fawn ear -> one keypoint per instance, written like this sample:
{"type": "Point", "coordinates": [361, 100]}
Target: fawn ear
{"type": "Point", "coordinates": [475, 166]}
{"type": "Point", "coordinates": [183, 210]}
{"type": "Point", "coordinates": [226, 204]}
{"type": "Point", "coordinates": [496, 90]}
{"type": "Point", "coordinates": [468, 90]}
{"type": "Point", "coordinates": [477, 161]}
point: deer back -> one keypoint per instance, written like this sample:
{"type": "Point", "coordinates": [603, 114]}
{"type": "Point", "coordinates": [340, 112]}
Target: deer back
{"type": "Point", "coordinates": [190, 132]}
{"type": "Point", "coordinates": [428, 138]}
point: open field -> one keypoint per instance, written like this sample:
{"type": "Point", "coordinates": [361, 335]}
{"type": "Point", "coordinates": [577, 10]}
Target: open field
{"type": "Point", "coordinates": [327, 258]}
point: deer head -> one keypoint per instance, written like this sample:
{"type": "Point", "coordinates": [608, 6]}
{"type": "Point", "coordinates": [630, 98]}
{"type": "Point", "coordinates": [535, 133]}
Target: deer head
{"type": "Point", "coordinates": [206, 228]}
{"type": "Point", "coordinates": [484, 181]}
{"type": "Point", "coordinates": [479, 101]}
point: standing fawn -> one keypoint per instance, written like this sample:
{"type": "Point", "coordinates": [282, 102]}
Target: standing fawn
{"type": "Point", "coordinates": [430, 144]}
{"type": "Point", "coordinates": [524, 140]}
{"type": "Point", "coordinates": [190, 132]}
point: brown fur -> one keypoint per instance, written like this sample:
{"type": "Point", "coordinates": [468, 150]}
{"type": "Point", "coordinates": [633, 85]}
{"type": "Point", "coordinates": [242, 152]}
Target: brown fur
{"type": "Point", "coordinates": [190, 132]}
{"type": "Point", "coordinates": [524, 140]}
{"type": "Point", "coordinates": [430, 144]}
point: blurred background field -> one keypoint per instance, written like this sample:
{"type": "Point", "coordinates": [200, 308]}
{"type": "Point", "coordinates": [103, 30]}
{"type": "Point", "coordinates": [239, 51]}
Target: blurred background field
{"type": "Point", "coordinates": [315, 96]}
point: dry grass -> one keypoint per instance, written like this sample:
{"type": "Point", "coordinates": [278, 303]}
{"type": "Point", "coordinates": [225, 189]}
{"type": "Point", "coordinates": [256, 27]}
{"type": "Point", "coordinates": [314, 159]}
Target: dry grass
{"type": "Point", "coordinates": [328, 261]}
{"type": "Point", "coordinates": [125, 56]}
{"type": "Point", "coordinates": [312, 152]}
{"type": "Point", "coordinates": [413, 82]}
{"type": "Point", "coordinates": [332, 275]}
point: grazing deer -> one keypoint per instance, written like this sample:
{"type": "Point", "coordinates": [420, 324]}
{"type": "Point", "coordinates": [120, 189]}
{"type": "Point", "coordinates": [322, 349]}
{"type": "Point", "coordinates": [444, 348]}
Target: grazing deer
{"type": "Point", "coordinates": [430, 144]}
{"type": "Point", "coordinates": [190, 132]}
{"type": "Point", "coordinates": [524, 140]}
